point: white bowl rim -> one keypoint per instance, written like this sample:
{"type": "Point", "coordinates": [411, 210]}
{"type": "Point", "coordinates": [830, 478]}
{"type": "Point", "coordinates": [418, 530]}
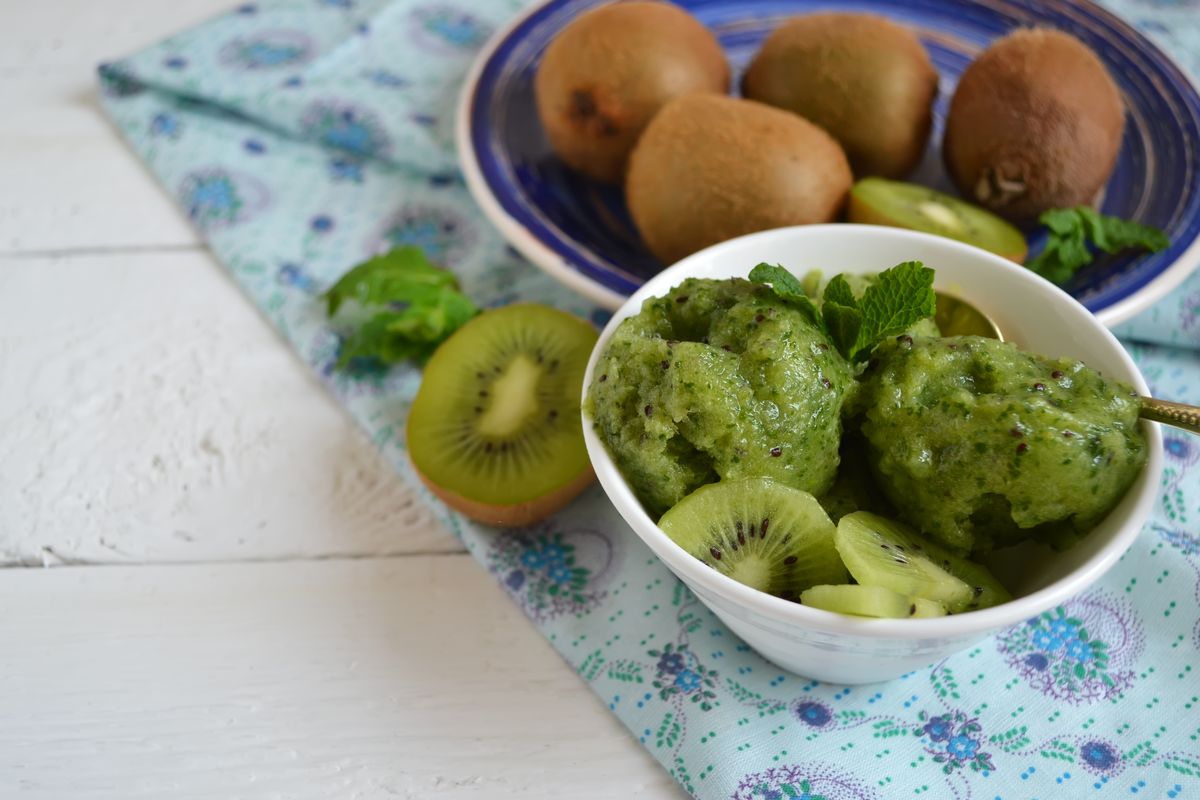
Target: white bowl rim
{"type": "Point", "coordinates": [691, 570]}
{"type": "Point", "coordinates": [542, 256]}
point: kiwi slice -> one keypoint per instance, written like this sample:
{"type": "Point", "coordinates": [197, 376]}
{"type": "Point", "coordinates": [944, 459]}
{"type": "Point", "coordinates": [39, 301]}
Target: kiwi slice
{"type": "Point", "coordinates": [881, 552]}
{"type": "Point", "coordinates": [495, 428]}
{"type": "Point", "coordinates": [870, 601]}
{"type": "Point", "coordinates": [876, 201]}
{"type": "Point", "coordinates": [764, 534]}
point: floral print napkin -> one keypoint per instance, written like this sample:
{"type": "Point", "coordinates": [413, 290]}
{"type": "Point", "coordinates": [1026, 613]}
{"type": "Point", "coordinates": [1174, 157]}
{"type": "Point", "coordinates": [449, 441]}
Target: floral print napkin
{"type": "Point", "coordinates": [301, 136]}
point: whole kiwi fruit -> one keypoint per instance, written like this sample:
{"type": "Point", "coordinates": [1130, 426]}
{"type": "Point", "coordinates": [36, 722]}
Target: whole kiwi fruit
{"type": "Point", "coordinates": [1035, 124]}
{"type": "Point", "coordinates": [607, 73]}
{"type": "Point", "coordinates": [865, 80]}
{"type": "Point", "coordinates": [711, 167]}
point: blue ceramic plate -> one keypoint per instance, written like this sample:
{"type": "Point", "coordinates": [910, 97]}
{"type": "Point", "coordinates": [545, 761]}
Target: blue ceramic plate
{"type": "Point", "coordinates": [580, 231]}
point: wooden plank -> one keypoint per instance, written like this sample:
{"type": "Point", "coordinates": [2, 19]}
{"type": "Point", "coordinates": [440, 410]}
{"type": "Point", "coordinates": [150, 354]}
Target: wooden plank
{"type": "Point", "coordinates": [410, 677]}
{"type": "Point", "coordinates": [67, 181]}
{"type": "Point", "coordinates": [149, 414]}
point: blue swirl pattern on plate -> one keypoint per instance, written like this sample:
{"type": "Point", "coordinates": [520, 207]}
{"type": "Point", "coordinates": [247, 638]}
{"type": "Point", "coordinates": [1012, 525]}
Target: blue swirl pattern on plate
{"type": "Point", "coordinates": [586, 225]}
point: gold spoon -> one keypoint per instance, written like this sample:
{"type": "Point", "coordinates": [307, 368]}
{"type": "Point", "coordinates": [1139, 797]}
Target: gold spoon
{"type": "Point", "coordinates": [957, 317]}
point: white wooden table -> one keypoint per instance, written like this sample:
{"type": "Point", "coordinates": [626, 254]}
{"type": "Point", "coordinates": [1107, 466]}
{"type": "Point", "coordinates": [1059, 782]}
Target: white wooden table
{"type": "Point", "coordinates": [217, 588]}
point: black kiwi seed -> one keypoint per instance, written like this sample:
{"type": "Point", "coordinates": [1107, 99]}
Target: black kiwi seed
{"type": "Point", "coordinates": [912, 609]}
{"type": "Point", "coordinates": [790, 560]}
{"type": "Point", "coordinates": [716, 553]}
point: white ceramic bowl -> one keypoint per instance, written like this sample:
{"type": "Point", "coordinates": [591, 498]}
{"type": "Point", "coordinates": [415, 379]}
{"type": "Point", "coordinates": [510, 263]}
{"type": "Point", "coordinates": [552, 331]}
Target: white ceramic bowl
{"type": "Point", "coordinates": [1036, 315]}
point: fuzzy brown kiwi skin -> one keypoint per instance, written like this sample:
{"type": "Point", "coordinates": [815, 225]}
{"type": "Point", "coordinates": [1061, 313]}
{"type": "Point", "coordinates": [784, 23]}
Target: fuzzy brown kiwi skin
{"type": "Point", "coordinates": [710, 168]}
{"type": "Point", "coordinates": [1035, 123]}
{"type": "Point", "coordinates": [517, 515]}
{"type": "Point", "coordinates": [864, 79]}
{"type": "Point", "coordinates": [609, 72]}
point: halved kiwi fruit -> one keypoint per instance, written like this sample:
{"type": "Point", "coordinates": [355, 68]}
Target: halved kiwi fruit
{"type": "Point", "coordinates": [876, 201]}
{"type": "Point", "coordinates": [495, 429]}
{"type": "Point", "coordinates": [881, 552]}
{"type": "Point", "coordinates": [764, 534]}
{"type": "Point", "coordinates": [870, 601]}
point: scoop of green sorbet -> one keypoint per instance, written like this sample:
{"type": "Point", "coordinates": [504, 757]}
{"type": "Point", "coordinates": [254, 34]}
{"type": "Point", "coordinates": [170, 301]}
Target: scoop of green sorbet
{"type": "Point", "coordinates": [719, 379]}
{"type": "Point", "coordinates": [981, 445]}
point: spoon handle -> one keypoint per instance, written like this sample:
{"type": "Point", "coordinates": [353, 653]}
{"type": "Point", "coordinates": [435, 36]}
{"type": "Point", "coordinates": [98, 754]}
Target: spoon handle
{"type": "Point", "coordinates": [1177, 414]}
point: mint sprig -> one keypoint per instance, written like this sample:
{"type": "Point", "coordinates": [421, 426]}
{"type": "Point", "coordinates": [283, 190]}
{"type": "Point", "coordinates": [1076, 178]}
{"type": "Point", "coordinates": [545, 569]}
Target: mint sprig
{"type": "Point", "coordinates": [787, 288]}
{"type": "Point", "coordinates": [899, 298]}
{"type": "Point", "coordinates": [1071, 230]}
{"type": "Point", "coordinates": [407, 306]}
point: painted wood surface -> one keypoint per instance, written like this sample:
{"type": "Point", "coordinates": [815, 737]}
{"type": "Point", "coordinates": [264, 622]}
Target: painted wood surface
{"type": "Point", "coordinates": [405, 677]}
{"type": "Point", "coordinates": [242, 600]}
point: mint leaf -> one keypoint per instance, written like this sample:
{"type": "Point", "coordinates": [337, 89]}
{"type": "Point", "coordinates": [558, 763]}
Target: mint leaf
{"type": "Point", "coordinates": [839, 310]}
{"type": "Point", "coordinates": [411, 306]}
{"type": "Point", "coordinates": [902, 297]}
{"type": "Point", "coordinates": [1071, 230]}
{"type": "Point", "coordinates": [786, 287]}
{"type": "Point", "coordinates": [898, 299]}
{"type": "Point", "coordinates": [843, 324]}
{"type": "Point", "coordinates": [400, 275]}
{"type": "Point", "coordinates": [838, 291]}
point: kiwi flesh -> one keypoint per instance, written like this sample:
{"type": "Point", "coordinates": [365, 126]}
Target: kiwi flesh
{"type": "Point", "coordinates": [1035, 123]}
{"type": "Point", "coordinates": [608, 72]}
{"type": "Point", "coordinates": [882, 552]}
{"type": "Point", "coordinates": [870, 601]}
{"type": "Point", "coordinates": [495, 430]}
{"type": "Point", "coordinates": [759, 532]}
{"type": "Point", "coordinates": [864, 79]}
{"type": "Point", "coordinates": [875, 201]}
{"type": "Point", "coordinates": [710, 168]}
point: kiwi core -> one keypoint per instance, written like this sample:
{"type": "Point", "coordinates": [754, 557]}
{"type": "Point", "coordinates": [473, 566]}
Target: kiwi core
{"type": "Point", "coordinates": [940, 215]}
{"type": "Point", "coordinates": [513, 400]}
{"type": "Point", "coordinates": [753, 570]}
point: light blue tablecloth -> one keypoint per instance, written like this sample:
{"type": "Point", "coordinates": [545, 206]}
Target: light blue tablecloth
{"type": "Point", "coordinates": [301, 136]}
